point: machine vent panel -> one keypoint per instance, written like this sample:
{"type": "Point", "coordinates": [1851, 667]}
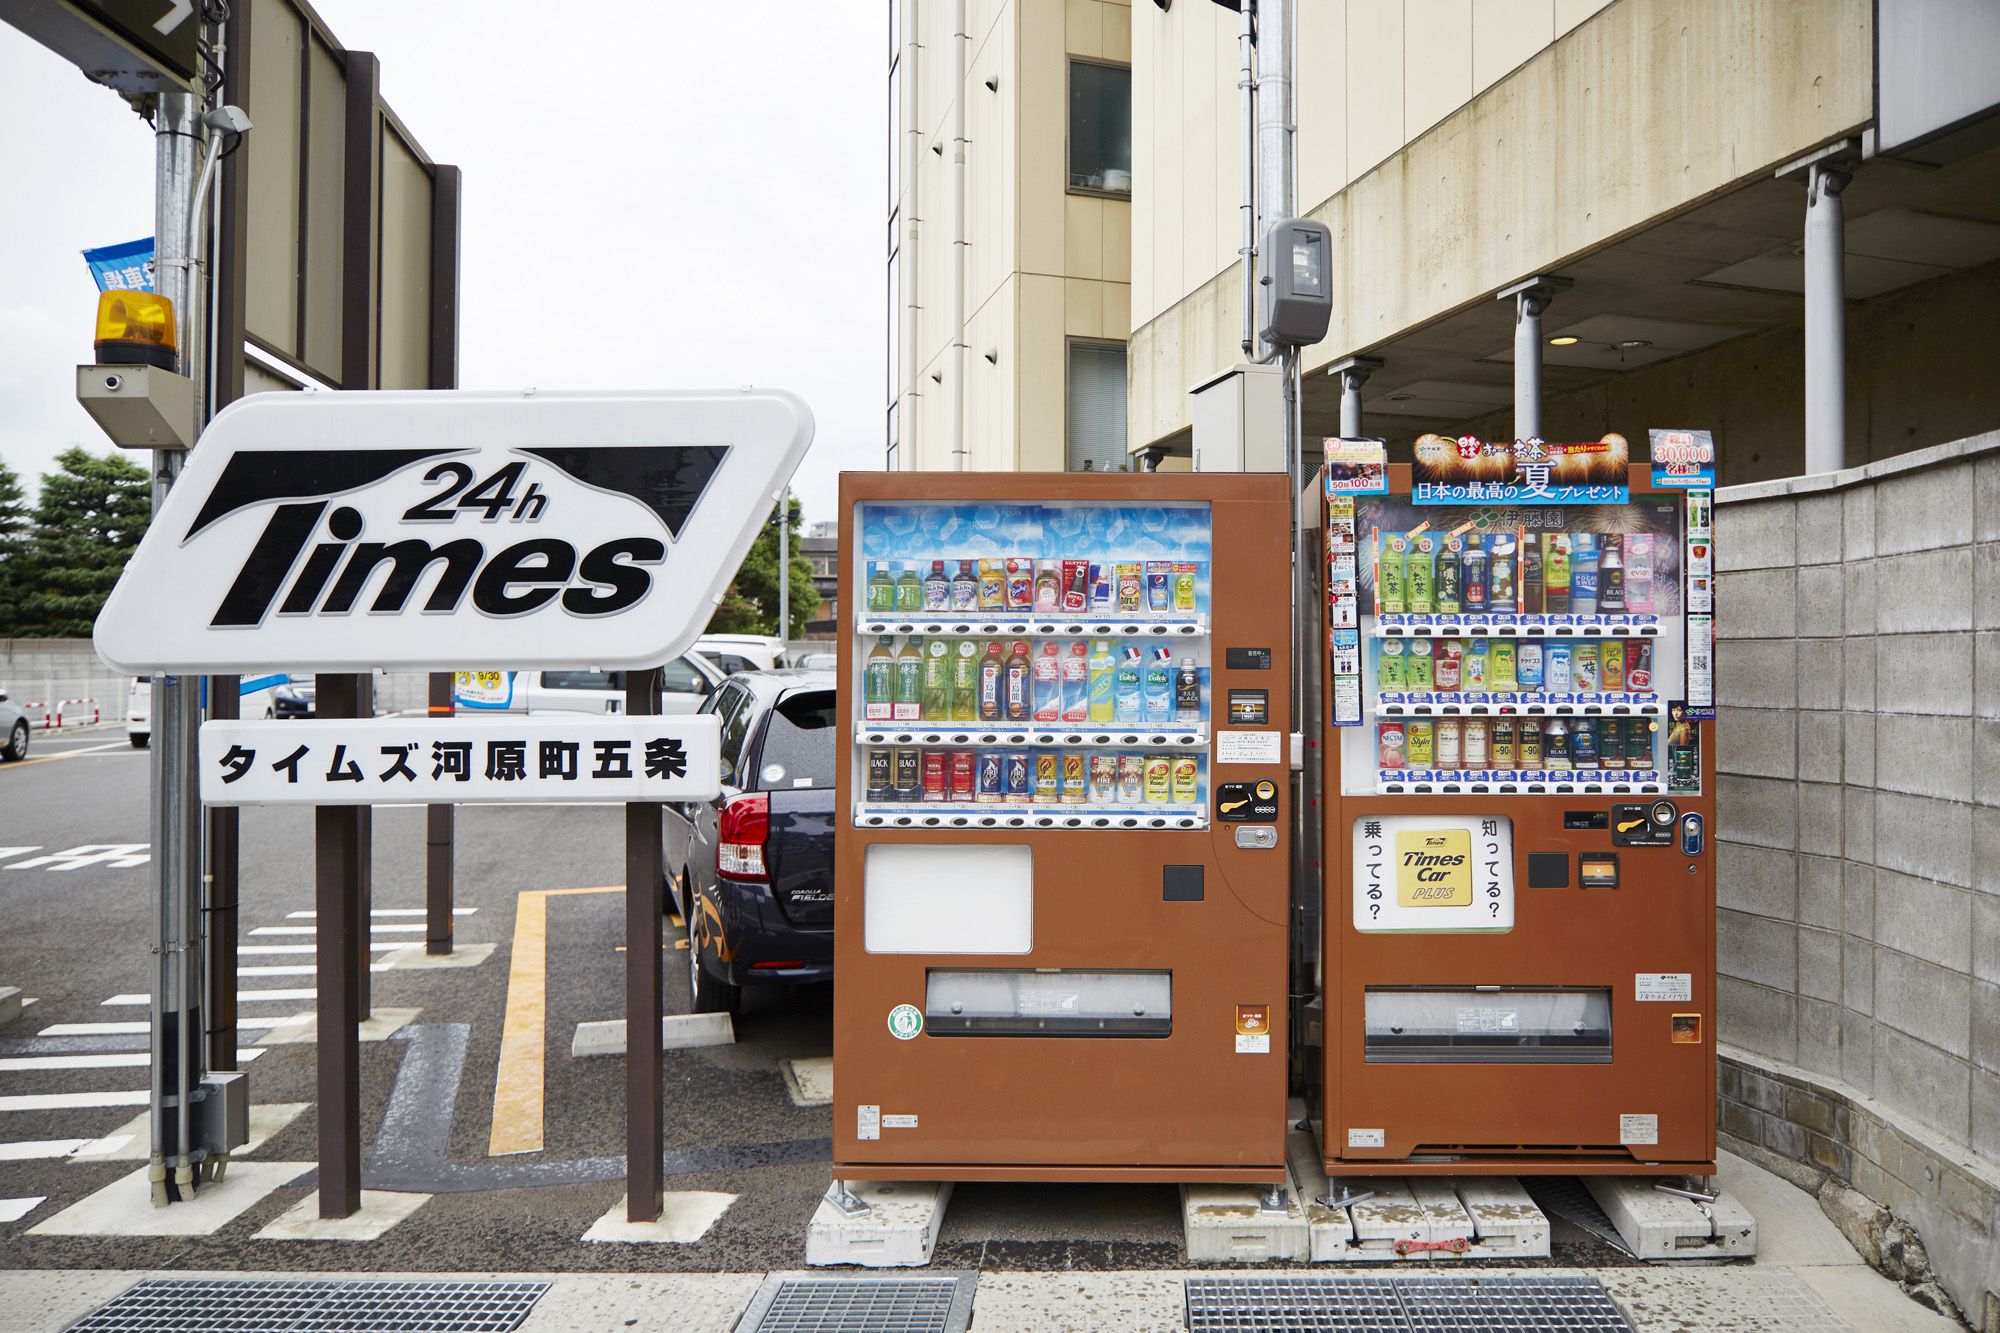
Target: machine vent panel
{"type": "Point", "coordinates": [318, 1306]}
{"type": "Point", "coordinates": [804, 1303]}
{"type": "Point", "coordinates": [1400, 1305]}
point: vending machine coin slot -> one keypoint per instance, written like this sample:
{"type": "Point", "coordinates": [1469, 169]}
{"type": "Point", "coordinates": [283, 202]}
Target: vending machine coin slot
{"type": "Point", "coordinates": [1637, 826]}
{"type": "Point", "coordinates": [1597, 870]}
{"type": "Point", "coordinates": [1548, 870]}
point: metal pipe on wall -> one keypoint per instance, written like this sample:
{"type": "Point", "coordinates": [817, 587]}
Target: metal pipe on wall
{"type": "Point", "coordinates": [1531, 296]}
{"type": "Point", "coordinates": [1246, 84]}
{"type": "Point", "coordinates": [910, 266]}
{"type": "Point", "coordinates": [1826, 317]}
{"type": "Point", "coordinates": [961, 42]}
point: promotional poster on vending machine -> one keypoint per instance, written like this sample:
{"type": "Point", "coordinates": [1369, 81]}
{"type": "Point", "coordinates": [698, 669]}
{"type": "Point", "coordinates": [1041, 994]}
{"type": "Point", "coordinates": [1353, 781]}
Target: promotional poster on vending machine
{"type": "Point", "coordinates": [1521, 779]}
{"type": "Point", "coordinates": [1062, 849]}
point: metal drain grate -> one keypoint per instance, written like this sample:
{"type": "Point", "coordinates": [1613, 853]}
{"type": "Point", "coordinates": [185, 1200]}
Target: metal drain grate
{"type": "Point", "coordinates": [1400, 1305]}
{"type": "Point", "coordinates": [812, 1303]}
{"type": "Point", "coordinates": [1569, 1198]}
{"type": "Point", "coordinates": [171, 1305]}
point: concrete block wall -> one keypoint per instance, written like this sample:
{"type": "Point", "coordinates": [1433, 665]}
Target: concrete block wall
{"type": "Point", "coordinates": [53, 669]}
{"type": "Point", "coordinates": [1858, 932]}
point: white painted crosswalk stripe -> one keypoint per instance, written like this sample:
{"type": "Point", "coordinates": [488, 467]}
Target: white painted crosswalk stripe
{"type": "Point", "coordinates": [15, 1064]}
{"type": "Point", "coordinates": [136, 1029]}
{"type": "Point", "coordinates": [379, 946]}
{"type": "Point", "coordinates": [242, 996]}
{"type": "Point", "coordinates": [32, 1150]}
{"type": "Point", "coordinates": [72, 1101]}
{"type": "Point", "coordinates": [314, 930]}
{"type": "Point", "coordinates": [13, 1210]}
{"type": "Point", "coordinates": [381, 911]}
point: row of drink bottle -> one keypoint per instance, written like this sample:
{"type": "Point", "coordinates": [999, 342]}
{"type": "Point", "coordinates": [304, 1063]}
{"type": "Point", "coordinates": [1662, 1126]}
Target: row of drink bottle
{"type": "Point", "coordinates": [1032, 777]}
{"type": "Point", "coordinates": [1077, 681]}
{"type": "Point", "coordinates": [1554, 573]}
{"type": "Point", "coordinates": [1509, 744]}
{"type": "Point", "coordinates": [1502, 666]}
{"type": "Point", "coordinates": [1017, 583]}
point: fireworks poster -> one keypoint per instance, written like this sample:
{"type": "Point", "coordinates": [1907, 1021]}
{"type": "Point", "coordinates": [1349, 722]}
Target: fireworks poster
{"type": "Point", "coordinates": [1472, 471]}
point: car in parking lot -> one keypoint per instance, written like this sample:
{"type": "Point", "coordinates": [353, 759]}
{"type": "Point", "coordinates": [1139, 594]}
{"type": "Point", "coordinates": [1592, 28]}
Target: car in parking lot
{"type": "Point", "coordinates": [13, 728]}
{"type": "Point", "coordinates": [752, 870]}
{"type": "Point", "coordinates": [742, 652]}
{"type": "Point", "coordinates": [685, 683]}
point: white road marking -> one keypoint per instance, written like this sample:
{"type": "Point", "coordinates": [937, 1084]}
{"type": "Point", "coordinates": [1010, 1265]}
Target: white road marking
{"type": "Point", "coordinates": [72, 1101]}
{"type": "Point", "coordinates": [33, 1150]}
{"type": "Point", "coordinates": [13, 1210]}
{"type": "Point", "coordinates": [134, 1029]}
{"type": "Point", "coordinates": [112, 855]}
{"type": "Point", "coordinates": [9, 853]}
{"type": "Point", "coordinates": [385, 911]}
{"type": "Point", "coordinates": [311, 948]}
{"type": "Point", "coordinates": [314, 930]}
{"type": "Point", "coordinates": [106, 1146]}
{"type": "Point", "coordinates": [243, 996]}
{"type": "Point", "coordinates": [14, 1064]}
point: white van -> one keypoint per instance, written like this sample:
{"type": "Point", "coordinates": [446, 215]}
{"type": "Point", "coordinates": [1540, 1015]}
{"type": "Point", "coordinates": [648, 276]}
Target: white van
{"type": "Point", "coordinates": [685, 683]}
{"type": "Point", "coordinates": [263, 696]}
{"type": "Point", "coordinates": [742, 652]}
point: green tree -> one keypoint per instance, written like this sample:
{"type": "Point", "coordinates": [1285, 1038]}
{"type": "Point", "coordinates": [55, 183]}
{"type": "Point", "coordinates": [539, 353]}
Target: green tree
{"type": "Point", "coordinates": [15, 528]}
{"type": "Point", "coordinates": [92, 511]}
{"type": "Point", "coordinates": [751, 604]}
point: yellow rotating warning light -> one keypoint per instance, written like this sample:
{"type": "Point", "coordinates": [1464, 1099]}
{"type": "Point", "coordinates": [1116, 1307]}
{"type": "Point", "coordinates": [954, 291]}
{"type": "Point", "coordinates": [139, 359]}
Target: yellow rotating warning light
{"type": "Point", "coordinates": [136, 329]}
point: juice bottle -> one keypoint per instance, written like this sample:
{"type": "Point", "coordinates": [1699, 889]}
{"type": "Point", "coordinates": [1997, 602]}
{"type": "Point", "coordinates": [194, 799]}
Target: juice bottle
{"type": "Point", "coordinates": [1126, 706]}
{"type": "Point", "coordinates": [878, 682]}
{"type": "Point", "coordinates": [965, 681]}
{"type": "Point", "coordinates": [910, 681]}
{"type": "Point", "coordinates": [1472, 575]}
{"type": "Point", "coordinates": [965, 587]}
{"type": "Point", "coordinates": [1555, 573]}
{"type": "Point", "coordinates": [937, 588]}
{"type": "Point", "coordinates": [1048, 683]}
{"type": "Point", "coordinates": [881, 587]}
{"type": "Point", "coordinates": [993, 683]}
{"type": "Point", "coordinates": [909, 590]}
{"type": "Point", "coordinates": [1019, 708]}
{"type": "Point", "coordinates": [1048, 585]}
{"type": "Point", "coordinates": [937, 680]}
{"type": "Point", "coordinates": [1103, 683]}
{"type": "Point", "coordinates": [1159, 685]}
{"type": "Point", "coordinates": [1076, 683]}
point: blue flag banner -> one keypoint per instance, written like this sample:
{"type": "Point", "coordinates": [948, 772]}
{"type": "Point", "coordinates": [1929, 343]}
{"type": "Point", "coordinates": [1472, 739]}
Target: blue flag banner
{"type": "Point", "coordinates": [122, 268]}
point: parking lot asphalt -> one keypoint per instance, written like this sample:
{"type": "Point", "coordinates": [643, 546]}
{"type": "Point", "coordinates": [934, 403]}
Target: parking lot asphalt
{"type": "Point", "coordinates": [75, 881]}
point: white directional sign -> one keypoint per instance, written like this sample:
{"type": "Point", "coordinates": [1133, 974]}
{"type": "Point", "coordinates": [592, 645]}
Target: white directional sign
{"type": "Point", "coordinates": [414, 530]}
{"type": "Point", "coordinates": [460, 760]}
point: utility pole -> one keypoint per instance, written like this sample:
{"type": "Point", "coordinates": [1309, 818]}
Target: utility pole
{"type": "Point", "coordinates": [784, 570]}
{"type": "Point", "coordinates": [178, 1042]}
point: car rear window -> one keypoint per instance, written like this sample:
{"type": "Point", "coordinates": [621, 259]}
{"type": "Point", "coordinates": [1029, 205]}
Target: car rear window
{"type": "Point", "coordinates": [798, 743]}
{"type": "Point", "coordinates": [583, 680]}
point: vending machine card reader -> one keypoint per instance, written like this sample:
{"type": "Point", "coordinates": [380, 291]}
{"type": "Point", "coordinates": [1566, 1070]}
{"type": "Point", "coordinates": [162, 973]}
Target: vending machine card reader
{"type": "Point", "coordinates": [1519, 926]}
{"type": "Point", "coordinates": [1062, 846]}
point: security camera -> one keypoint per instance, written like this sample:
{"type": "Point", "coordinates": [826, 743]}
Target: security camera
{"type": "Point", "coordinates": [227, 120]}
{"type": "Point", "coordinates": [114, 382]}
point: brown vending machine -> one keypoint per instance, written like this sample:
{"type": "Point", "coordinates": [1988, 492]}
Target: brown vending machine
{"type": "Point", "coordinates": [1519, 924]}
{"type": "Point", "coordinates": [1060, 928]}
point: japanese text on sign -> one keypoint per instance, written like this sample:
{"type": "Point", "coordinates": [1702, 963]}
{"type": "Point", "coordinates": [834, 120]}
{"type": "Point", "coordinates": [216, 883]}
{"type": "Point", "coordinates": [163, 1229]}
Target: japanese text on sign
{"type": "Point", "coordinates": [340, 761]}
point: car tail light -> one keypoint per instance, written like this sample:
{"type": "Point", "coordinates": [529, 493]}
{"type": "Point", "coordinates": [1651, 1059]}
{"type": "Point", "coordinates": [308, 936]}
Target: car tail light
{"type": "Point", "coordinates": [739, 844]}
{"type": "Point", "coordinates": [779, 963]}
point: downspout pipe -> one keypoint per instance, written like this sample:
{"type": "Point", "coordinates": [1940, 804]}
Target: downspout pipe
{"type": "Point", "coordinates": [1246, 87]}
{"type": "Point", "coordinates": [961, 43]}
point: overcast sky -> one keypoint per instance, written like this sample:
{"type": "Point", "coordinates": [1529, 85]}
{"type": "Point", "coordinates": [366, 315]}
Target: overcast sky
{"type": "Point", "coordinates": [671, 195]}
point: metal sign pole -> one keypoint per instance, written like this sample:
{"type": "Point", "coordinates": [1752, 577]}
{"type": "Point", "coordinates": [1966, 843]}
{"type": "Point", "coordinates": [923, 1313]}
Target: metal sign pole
{"type": "Point", "coordinates": [341, 935]}
{"type": "Point", "coordinates": [438, 829]}
{"type": "Point", "coordinates": [644, 1117]}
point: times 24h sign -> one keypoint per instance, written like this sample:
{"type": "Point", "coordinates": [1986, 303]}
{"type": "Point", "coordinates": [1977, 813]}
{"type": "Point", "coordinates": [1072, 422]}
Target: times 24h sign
{"type": "Point", "coordinates": [425, 530]}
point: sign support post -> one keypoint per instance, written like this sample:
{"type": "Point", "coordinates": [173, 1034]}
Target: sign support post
{"type": "Point", "coordinates": [225, 704]}
{"type": "Point", "coordinates": [644, 1115]}
{"type": "Point", "coordinates": [342, 922]}
{"type": "Point", "coordinates": [438, 833]}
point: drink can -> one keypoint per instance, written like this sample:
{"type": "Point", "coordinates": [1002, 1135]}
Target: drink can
{"type": "Point", "coordinates": [1583, 667]}
{"type": "Point", "coordinates": [1389, 670]}
{"type": "Point", "coordinates": [881, 774]}
{"type": "Point", "coordinates": [1419, 742]}
{"type": "Point", "coordinates": [1478, 742]}
{"type": "Point", "coordinates": [937, 782]}
{"type": "Point", "coordinates": [1611, 665]}
{"type": "Point", "coordinates": [1101, 596]}
{"type": "Point", "coordinates": [1530, 745]}
{"type": "Point", "coordinates": [964, 775]}
{"type": "Point", "coordinates": [1420, 666]}
{"type": "Point", "coordinates": [1159, 779]}
{"type": "Point", "coordinates": [909, 774]}
{"type": "Point", "coordinates": [1075, 783]}
{"type": "Point", "coordinates": [1639, 667]}
{"type": "Point", "coordinates": [1556, 668]}
{"type": "Point", "coordinates": [1159, 586]}
{"type": "Point", "coordinates": [1391, 745]}
{"type": "Point", "coordinates": [1583, 743]}
{"type": "Point", "coordinates": [1611, 744]}
{"type": "Point", "coordinates": [1639, 742]}
{"type": "Point", "coordinates": [1131, 778]}
{"type": "Point", "coordinates": [1503, 743]}
{"type": "Point", "coordinates": [1048, 777]}
{"type": "Point", "coordinates": [1020, 777]}
{"type": "Point", "coordinates": [1450, 742]}
{"type": "Point", "coordinates": [992, 777]}
{"type": "Point", "coordinates": [1103, 778]}
{"type": "Point", "coordinates": [1447, 665]}
{"type": "Point", "coordinates": [1131, 588]}
{"type": "Point", "coordinates": [1528, 667]}
{"type": "Point", "coordinates": [1501, 667]}
{"type": "Point", "coordinates": [1187, 779]}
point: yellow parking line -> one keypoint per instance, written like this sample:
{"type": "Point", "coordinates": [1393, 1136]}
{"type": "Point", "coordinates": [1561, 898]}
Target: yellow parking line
{"type": "Point", "coordinates": [52, 758]}
{"type": "Point", "coordinates": [518, 1089]}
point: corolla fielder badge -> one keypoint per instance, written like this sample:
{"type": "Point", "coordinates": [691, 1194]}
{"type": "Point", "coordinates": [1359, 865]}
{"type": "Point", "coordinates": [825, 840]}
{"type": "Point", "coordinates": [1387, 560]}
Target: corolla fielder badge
{"type": "Point", "coordinates": [354, 530]}
{"type": "Point", "coordinates": [906, 1021]}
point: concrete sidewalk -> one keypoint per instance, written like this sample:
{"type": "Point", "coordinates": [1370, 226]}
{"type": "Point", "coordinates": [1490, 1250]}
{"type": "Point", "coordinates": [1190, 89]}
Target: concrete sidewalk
{"type": "Point", "coordinates": [1806, 1277]}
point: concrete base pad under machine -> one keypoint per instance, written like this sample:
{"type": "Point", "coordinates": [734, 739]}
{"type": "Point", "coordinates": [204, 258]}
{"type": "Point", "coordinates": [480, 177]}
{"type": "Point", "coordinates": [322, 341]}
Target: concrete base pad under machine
{"type": "Point", "coordinates": [897, 1229]}
{"type": "Point", "coordinates": [1659, 1225]}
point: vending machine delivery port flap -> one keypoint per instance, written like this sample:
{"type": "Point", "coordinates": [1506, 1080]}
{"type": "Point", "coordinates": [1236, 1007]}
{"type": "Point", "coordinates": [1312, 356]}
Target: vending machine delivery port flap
{"type": "Point", "coordinates": [1519, 927]}
{"type": "Point", "coordinates": [1062, 848]}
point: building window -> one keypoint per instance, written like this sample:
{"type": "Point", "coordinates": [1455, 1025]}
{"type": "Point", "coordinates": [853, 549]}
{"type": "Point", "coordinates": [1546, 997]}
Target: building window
{"type": "Point", "coordinates": [1095, 427]}
{"type": "Point", "coordinates": [1100, 128]}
